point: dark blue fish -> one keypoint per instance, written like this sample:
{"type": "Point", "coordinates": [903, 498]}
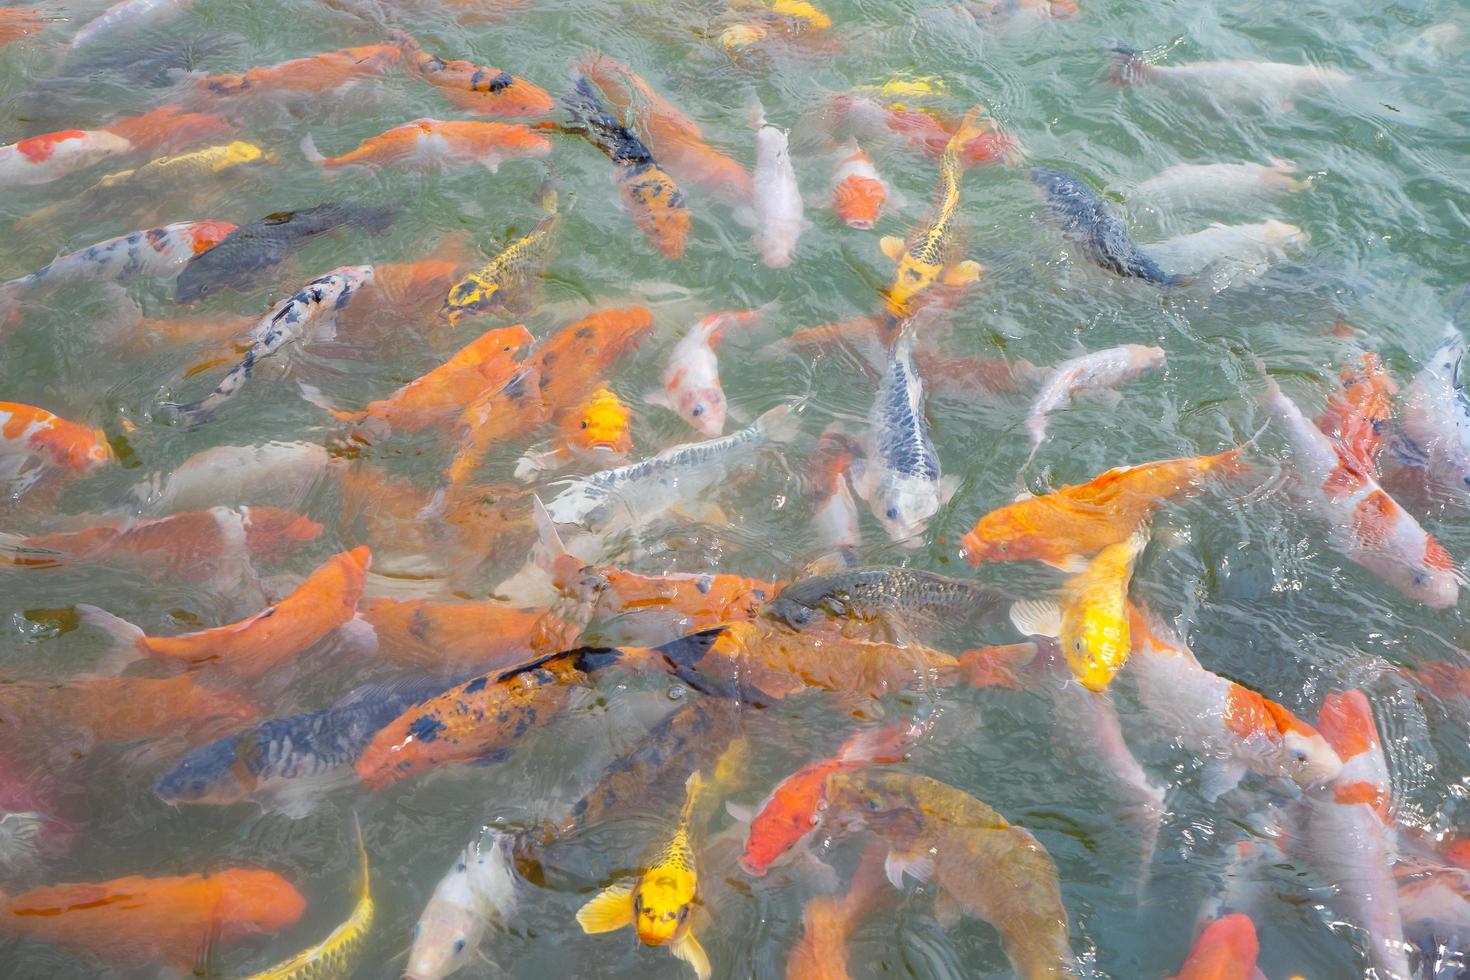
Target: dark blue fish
{"type": "Point", "coordinates": [1100, 235]}
{"type": "Point", "coordinates": [253, 248]}
{"type": "Point", "coordinates": [289, 764]}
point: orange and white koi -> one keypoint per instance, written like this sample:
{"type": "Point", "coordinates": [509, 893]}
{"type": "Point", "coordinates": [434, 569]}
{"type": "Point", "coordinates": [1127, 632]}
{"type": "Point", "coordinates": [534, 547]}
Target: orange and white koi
{"type": "Point", "coordinates": [1365, 524]}
{"type": "Point", "coordinates": [32, 441]}
{"type": "Point", "coordinates": [925, 131]}
{"type": "Point", "coordinates": [325, 601]}
{"type": "Point", "coordinates": [1357, 415]}
{"type": "Point", "coordinates": [778, 206]}
{"type": "Point", "coordinates": [475, 88]}
{"type": "Point", "coordinates": [1231, 728]}
{"type": "Point", "coordinates": [431, 144]}
{"type": "Point", "coordinates": [155, 253]}
{"type": "Point", "coordinates": [328, 71]}
{"type": "Point", "coordinates": [1225, 950]}
{"type": "Point", "coordinates": [595, 431]}
{"type": "Point", "coordinates": [692, 379]}
{"type": "Point", "coordinates": [51, 156]}
{"type": "Point", "coordinates": [858, 193]}
{"type": "Point", "coordinates": [834, 511]}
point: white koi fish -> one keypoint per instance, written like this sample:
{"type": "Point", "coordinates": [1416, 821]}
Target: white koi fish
{"type": "Point", "coordinates": [154, 254]}
{"type": "Point", "coordinates": [1434, 422]}
{"type": "Point", "coordinates": [1100, 369]}
{"type": "Point", "coordinates": [778, 207]}
{"type": "Point", "coordinates": [310, 311]}
{"type": "Point", "coordinates": [1234, 253]}
{"type": "Point", "coordinates": [1365, 524]}
{"type": "Point", "coordinates": [126, 16]}
{"type": "Point", "coordinates": [692, 379]}
{"type": "Point", "coordinates": [479, 890]}
{"type": "Point", "coordinates": [1226, 82]}
{"type": "Point", "coordinates": [1216, 184]}
{"type": "Point", "coordinates": [51, 156]}
{"type": "Point", "coordinates": [280, 474]}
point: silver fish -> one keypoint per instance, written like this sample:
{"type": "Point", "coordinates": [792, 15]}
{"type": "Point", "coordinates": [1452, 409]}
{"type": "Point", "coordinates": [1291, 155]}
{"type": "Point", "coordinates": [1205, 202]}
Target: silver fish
{"type": "Point", "coordinates": [1100, 369]}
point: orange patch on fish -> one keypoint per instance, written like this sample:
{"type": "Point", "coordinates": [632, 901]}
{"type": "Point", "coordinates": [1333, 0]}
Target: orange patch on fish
{"type": "Point", "coordinates": [1226, 950]}
{"type": "Point", "coordinates": [39, 149]}
{"type": "Point", "coordinates": [1374, 518]}
{"type": "Point", "coordinates": [1346, 721]}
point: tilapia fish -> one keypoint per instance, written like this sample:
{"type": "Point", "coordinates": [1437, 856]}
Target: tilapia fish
{"type": "Point", "coordinates": [253, 248]}
{"type": "Point", "coordinates": [881, 591]}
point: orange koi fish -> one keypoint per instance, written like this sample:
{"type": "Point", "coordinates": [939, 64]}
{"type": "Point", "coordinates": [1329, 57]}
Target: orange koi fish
{"type": "Point", "coordinates": [673, 137]}
{"type": "Point", "coordinates": [17, 22]}
{"type": "Point", "coordinates": [51, 156]}
{"type": "Point", "coordinates": [170, 128]}
{"type": "Point", "coordinates": [326, 600]}
{"type": "Point", "coordinates": [450, 635]}
{"type": "Point", "coordinates": [1080, 520]}
{"type": "Point", "coordinates": [431, 144]}
{"type": "Point", "coordinates": [926, 132]}
{"type": "Point", "coordinates": [1225, 950]}
{"type": "Point", "coordinates": [319, 73]}
{"type": "Point", "coordinates": [162, 920]}
{"type": "Point", "coordinates": [124, 709]}
{"type": "Point", "coordinates": [829, 921]}
{"type": "Point", "coordinates": [595, 433]}
{"type": "Point", "coordinates": [1358, 413]}
{"type": "Point", "coordinates": [32, 440]}
{"type": "Point", "coordinates": [170, 545]}
{"type": "Point", "coordinates": [476, 88]}
{"type": "Point", "coordinates": [858, 192]}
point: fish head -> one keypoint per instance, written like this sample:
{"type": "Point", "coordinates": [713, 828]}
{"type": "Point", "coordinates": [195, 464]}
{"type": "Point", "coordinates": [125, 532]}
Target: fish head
{"type": "Point", "coordinates": [447, 935]}
{"type": "Point", "coordinates": [703, 407]}
{"type": "Point", "coordinates": [791, 612]}
{"type": "Point", "coordinates": [1307, 757]}
{"type": "Point", "coordinates": [912, 277]}
{"type": "Point", "coordinates": [253, 901]}
{"type": "Point", "coordinates": [229, 83]}
{"type": "Point", "coordinates": [794, 810]}
{"type": "Point", "coordinates": [207, 775]}
{"type": "Point", "coordinates": [601, 423]}
{"type": "Point", "coordinates": [1283, 233]}
{"type": "Point", "coordinates": [903, 504]}
{"type": "Point", "coordinates": [663, 903]}
{"type": "Point", "coordinates": [205, 235]}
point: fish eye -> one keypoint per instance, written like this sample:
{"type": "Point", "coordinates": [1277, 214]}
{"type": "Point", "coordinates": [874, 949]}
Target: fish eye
{"type": "Point", "coordinates": [697, 411]}
{"type": "Point", "coordinates": [683, 913]}
{"type": "Point", "coordinates": [584, 423]}
{"type": "Point", "coordinates": [892, 513]}
{"type": "Point", "coordinates": [458, 946]}
{"type": "Point", "coordinates": [1467, 481]}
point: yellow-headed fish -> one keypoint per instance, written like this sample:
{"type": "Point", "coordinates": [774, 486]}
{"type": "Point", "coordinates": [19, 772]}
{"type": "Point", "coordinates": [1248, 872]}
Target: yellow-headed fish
{"type": "Point", "coordinates": [520, 262]}
{"type": "Point", "coordinates": [1092, 618]}
{"type": "Point", "coordinates": [659, 903]}
{"type": "Point", "coordinates": [925, 259]}
{"type": "Point", "coordinates": [338, 954]}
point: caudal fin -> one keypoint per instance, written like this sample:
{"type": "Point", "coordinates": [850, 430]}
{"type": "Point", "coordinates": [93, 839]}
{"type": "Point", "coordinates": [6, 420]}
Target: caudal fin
{"type": "Point", "coordinates": [126, 639]}
{"type": "Point", "coordinates": [883, 746]}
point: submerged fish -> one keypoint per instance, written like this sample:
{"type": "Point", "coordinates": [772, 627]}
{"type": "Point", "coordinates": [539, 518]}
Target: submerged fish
{"type": "Point", "coordinates": [479, 890]}
{"type": "Point", "coordinates": [1225, 950]}
{"type": "Point", "coordinates": [691, 382]}
{"type": "Point", "coordinates": [1232, 253]}
{"type": "Point", "coordinates": [858, 193]}
{"type": "Point", "coordinates": [320, 73]}
{"type": "Point", "coordinates": [289, 765]}
{"type": "Point", "coordinates": [778, 207]}
{"type": "Point", "coordinates": [1358, 414]}
{"type": "Point", "coordinates": [154, 253]}
{"type": "Point", "coordinates": [658, 904]}
{"type": "Point", "coordinates": [121, 709]}
{"type": "Point", "coordinates": [1100, 236]}
{"type": "Point", "coordinates": [880, 592]}
{"type": "Point", "coordinates": [51, 156]}
{"type": "Point", "coordinates": [1226, 82]}
{"type": "Point", "coordinates": [834, 511]}
{"type": "Point", "coordinates": [1099, 369]}
{"type": "Point", "coordinates": [276, 473]}
{"type": "Point", "coordinates": [310, 311]}
{"type": "Point", "coordinates": [33, 441]}
{"type": "Point", "coordinates": [459, 634]}
{"type": "Point", "coordinates": [1199, 185]}
{"type": "Point", "coordinates": [125, 17]}
{"type": "Point", "coordinates": [829, 921]}
{"type": "Point", "coordinates": [475, 88]}
{"type": "Point", "coordinates": [1434, 430]}
{"type": "Point", "coordinates": [432, 144]}
{"type": "Point", "coordinates": [253, 248]}
{"type": "Point", "coordinates": [511, 270]}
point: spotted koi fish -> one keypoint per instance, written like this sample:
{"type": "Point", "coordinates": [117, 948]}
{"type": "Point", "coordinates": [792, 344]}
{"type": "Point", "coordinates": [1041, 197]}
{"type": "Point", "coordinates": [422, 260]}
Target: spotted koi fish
{"type": "Point", "coordinates": [153, 254]}
{"type": "Point", "coordinates": [475, 88]}
{"type": "Point", "coordinates": [511, 270]}
{"type": "Point", "coordinates": [33, 441]}
{"type": "Point", "coordinates": [305, 313]}
{"type": "Point", "coordinates": [51, 156]}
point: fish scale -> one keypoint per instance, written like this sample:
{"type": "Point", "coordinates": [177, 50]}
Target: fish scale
{"type": "Point", "coordinates": [902, 429]}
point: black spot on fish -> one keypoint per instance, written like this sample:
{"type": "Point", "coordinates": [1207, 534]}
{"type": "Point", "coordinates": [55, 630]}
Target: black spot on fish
{"type": "Point", "coordinates": [476, 686]}
{"type": "Point", "coordinates": [426, 728]}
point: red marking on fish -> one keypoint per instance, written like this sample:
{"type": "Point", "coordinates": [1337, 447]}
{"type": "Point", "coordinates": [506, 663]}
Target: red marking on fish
{"type": "Point", "coordinates": [39, 149]}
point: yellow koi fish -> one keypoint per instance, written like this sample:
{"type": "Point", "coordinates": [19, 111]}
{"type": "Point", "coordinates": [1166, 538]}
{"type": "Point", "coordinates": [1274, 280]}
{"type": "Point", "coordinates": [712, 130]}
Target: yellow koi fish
{"type": "Point", "coordinates": [802, 11]}
{"type": "Point", "coordinates": [1092, 619]}
{"type": "Point", "coordinates": [924, 260]}
{"type": "Point", "coordinates": [336, 956]}
{"type": "Point", "coordinates": [520, 262]}
{"type": "Point", "coordinates": [659, 903]}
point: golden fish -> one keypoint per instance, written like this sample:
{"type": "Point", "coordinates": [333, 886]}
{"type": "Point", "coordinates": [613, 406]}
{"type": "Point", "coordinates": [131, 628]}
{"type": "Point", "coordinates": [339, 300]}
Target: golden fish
{"type": "Point", "coordinates": [516, 265]}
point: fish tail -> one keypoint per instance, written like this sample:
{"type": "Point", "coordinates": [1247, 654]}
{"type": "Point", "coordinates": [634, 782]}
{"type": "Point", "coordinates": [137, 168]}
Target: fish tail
{"type": "Point", "coordinates": [688, 650]}
{"type": "Point", "coordinates": [692, 787]}
{"type": "Point", "coordinates": [404, 40]}
{"type": "Point", "coordinates": [1126, 67]}
{"type": "Point", "coordinates": [880, 745]}
{"type": "Point", "coordinates": [364, 888]}
{"type": "Point", "coordinates": [975, 124]}
{"type": "Point", "coordinates": [127, 639]}
{"type": "Point", "coordinates": [781, 423]}
{"type": "Point", "coordinates": [309, 150]}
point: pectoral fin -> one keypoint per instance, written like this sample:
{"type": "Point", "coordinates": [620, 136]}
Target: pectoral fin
{"type": "Point", "coordinates": [962, 273]}
{"type": "Point", "coordinates": [1220, 778]}
{"type": "Point", "coordinates": [892, 247]}
{"type": "Point", "coordinates": [611, 910]}
{"type": "Point", "coordinates": [1037, 617]}
{"type": "Point", "coordinates": [687, 948]}
{"type": "Point", "coordinates": [918, 865]}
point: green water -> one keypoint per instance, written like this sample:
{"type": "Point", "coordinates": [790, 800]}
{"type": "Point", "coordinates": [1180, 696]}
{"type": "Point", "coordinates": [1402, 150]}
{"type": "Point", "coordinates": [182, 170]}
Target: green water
{"type": "Point", "coordinates": [1265, 601]}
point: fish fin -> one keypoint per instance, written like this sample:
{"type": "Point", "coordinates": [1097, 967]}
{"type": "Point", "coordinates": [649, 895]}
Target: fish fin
{"type": "Point", "coordinates": [919, 865]}
{"type": "Point", "coordinates": [1072, 564]}
{"type": "Point", "coordinates": [732, 764]}
{"type": "Point", "coordinates": [947, 910]}
{"type": "Point", "coordinates": [692, 788]}
{"type": "Point", "coordinates": [309, 150]}
{"type": "Point", "coordinates": [892, 247]}
{"type": "Point", "coordinates": [313, 395]}
{"type": "Point", "coordinates": [948, 487]}
{"type": "Point", "coordinates": [127, 639]}
{"type": "Point", "coordinates": [781, 423]}
{"type": "Point", "coordinates": [656, 396]}
{"type": "Point", "coordinates": [1220, 778]}
{"type": "Point", "coordinates": [610, 910]}
{"type": "Point", "coordinates": [549, 548]}
{"type": "Point", "coordinates": [740, 812]}
{"type": "Point", "coordinates": [860, 475]}
{"type": "Point", "coordinates": [294, 799]}
{"type": "Point", "coordinates": [962, 273]}
{"type": "Point", "coordinates": [1023, 494]}
{"type": "Point", "coordinates": [532, 465]}
{"type": "Point", "coordinates": [688, 949]}
{"type": "Point", "coordinates": [1037, 617]}
{"type": "Point", "coordinates": [879, 745]}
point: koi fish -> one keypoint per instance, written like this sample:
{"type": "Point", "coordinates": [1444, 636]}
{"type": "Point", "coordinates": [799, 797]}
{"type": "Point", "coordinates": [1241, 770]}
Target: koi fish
{"type": "Point", "coordinates": [1007, 14]}
{"type": "Point", "coordinates": [18, 22]}
{"type": "Point", "coordinates": [692, 379]}
{"type": "Point", "coordinates": [123, 709]}
{"type": "Point", "coordinates": [1232, 82]}
{"type": "Point", "coordinates": [51, 156]}
{"type": "Point", "coordinates": [326, 72]}
{"type": "Point", "coordinates": [310, 312]}
{"type": "Point", "coordinates": [127, 16]}
{"type": "Point", "coordinates": [33, 441]}
{"type": "Point", "coordinates": [1434, 431]}
{"type": "Point", "coordinates": [858, 193]}
{"type": "Point", "coordinates": [1225, 950]}
{"type": "Point", "coordinates": [650, 195]}
{"type": "Point", "coordinates": [1085, 518]}
{"type": "Point", "coordinates": [1233, 253]}
{"type": "Point", "coordinates": [164, 920]}
{"type": "Point", "coordinates": [284, 473]}
{"type": "Point", "coordinates": [38, 816]}
{"type": "Point", "coordinates": [778, 207]}
{"type": "Point", "coordinates": [1203, 185]}
{"type": "Point", "coordinates": [514, 408]}
{"type": "Point", "coordinates": [658, 904]}
{"type": "Point", "coordinates": [1366, 525]}
{"type": "Point", "coordinates": [1357, 415]}
{"type": "Point", "coordinates": [441, 394]}
{"type": "Point", "coordinates": [595, 431]}
{"type": "Point", "coordinates": [1349, 835]}
{"type": "Point", "coordinates": [253, 248]}
{"type": "Point", "coordinates": [925, 131]}
{"type": "Point", "coordinates": [999, 873]}
{"type": "Point", "coordinates": [925, 259]}
{"type": "Point", "coordinates": [433, 144]}
{"type": "Point", "coordinates": [1091, 619]}
{"type": "Point", "coordinates": [510, 271]}
{"type": "Point", "coordinates": [289, 765]}
{"type": "Point", "coordinates": [1227, 725]}
{"type": "Point", "coordinates": [879, 592]}
{"type": "Point", "coordinates": [462, 633]}
{"type": "Point", "coordinates": [829, 921]}
{"type": "Point", "coordinates": [801, 11]}
{"type": "Point", "coordinates": [900, 477]}
{"type": "Point", "coordinates": [326, 600]}
{"type": "Point", "coordinates": [475, 88]}
{"type": "Point", "coordinates": [479, 890]}
{"type": "Point", "coordinates": [339, 954]}
{"type": "Point", "coordinates": [794, 808]}
{"type": "Point", "coordinates": [169, 128]}
{"type": "Point", "coordinates": [834, 511]}
{"type": "Point", "coordinates": [1100, 236]}
{"type": "Point", "coordinates": [674, 138]}
{"type": "Point", "coordinates": [154, 254]}
{"type": "Point", "coordinates": [1099, 369]}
